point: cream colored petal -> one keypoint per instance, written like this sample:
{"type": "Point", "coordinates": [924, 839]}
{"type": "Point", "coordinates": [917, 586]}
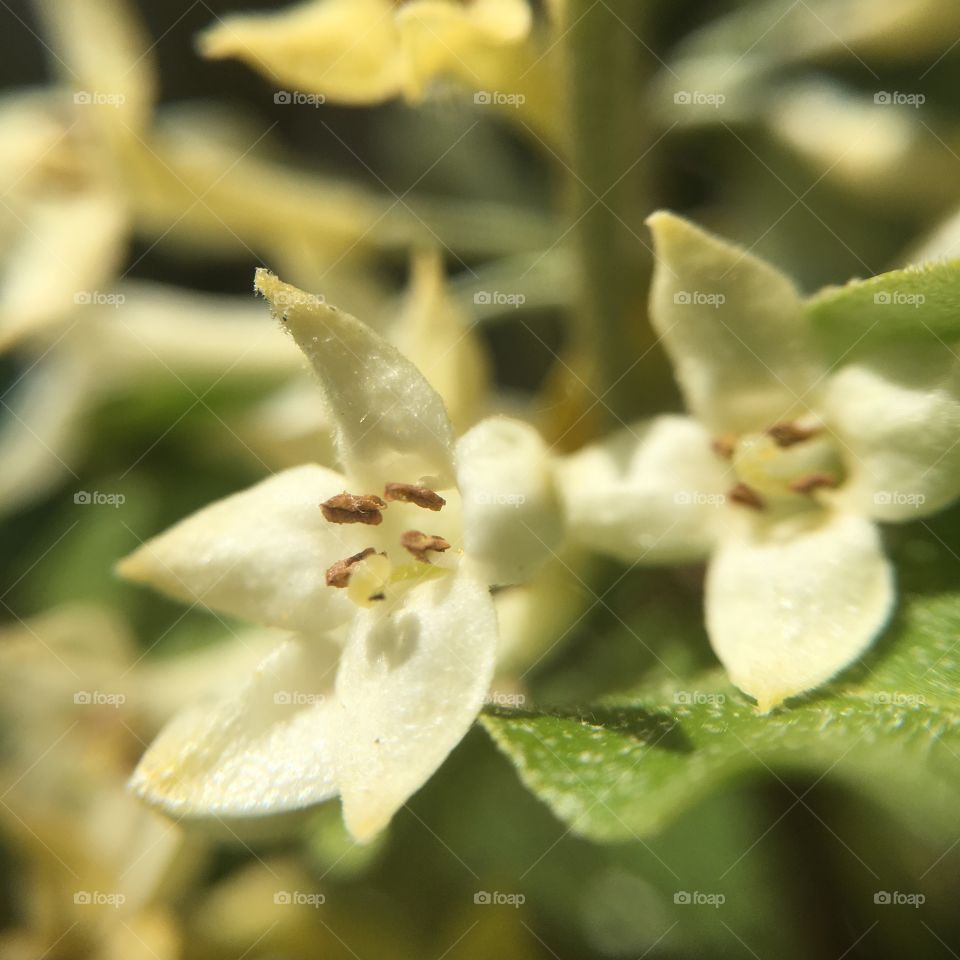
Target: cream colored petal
{"type": "Point", "coordinates": [653, 493]}
{"type": "Point", "coordinates": [790, 606]}
{"type": "Point", "coordinates": [411, 681]}
{"type": "Point", "coordinates": [897, 414]}
{"type": "Point", "coordinates": [102, 50]}
{"type": "Point", "coordinates": [348, 50]}
{"type": "Point", "coordinates": [512, 518]}
{"type": "Point", "coordinates": [734, 328]}
{"type": "Point", "coordinates": [265, 750]}
{"type": "Point", "coordinates": [42, 420]}
{"type": "Point", "coordinates": [261, 554]}
{"type": "Point", "coordinates": [167, 685]}
{"type": "Point", "coordinates": [65, 256]}
{"type": "Point", "coordinates": [432, 331]}
{"type": "Point", "coordinates": [392, 425]}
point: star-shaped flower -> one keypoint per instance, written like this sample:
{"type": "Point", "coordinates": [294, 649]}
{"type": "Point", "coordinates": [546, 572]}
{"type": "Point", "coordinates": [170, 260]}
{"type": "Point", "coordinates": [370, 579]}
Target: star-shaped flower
{"type": "Point", "coordinates": [781, 472]}
{"type": "Point", "coordinates": [382, 573]}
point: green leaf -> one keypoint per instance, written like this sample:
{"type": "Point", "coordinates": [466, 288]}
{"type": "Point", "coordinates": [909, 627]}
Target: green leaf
{"type": "Point", "coordinates": [628, 767]}
{"type": "Point", "coordinates": [921, 301]}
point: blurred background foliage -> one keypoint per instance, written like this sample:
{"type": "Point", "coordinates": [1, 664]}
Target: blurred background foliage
{"type": "Point", "coordinates": [789, 166]}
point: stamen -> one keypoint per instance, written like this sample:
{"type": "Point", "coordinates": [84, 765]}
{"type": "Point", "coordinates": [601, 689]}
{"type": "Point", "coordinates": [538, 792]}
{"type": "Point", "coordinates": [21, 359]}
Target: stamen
{"type": "Point", "coordinates": [813, 481]}
{"type": "Point", "coordinates": [410, 493]}
{"type": "Point", "coordinates": [338, 574]}
{"type": "Point", "coordinates": [348, 508]}
{"type": "Point", "coordinates": [787, 434]}
{"type": "Point", "coordinates": [419, 543]}
{"type": "Point", "coordinates": [746, 496]}
{"type": "Point", "coordinates": [723, 446]}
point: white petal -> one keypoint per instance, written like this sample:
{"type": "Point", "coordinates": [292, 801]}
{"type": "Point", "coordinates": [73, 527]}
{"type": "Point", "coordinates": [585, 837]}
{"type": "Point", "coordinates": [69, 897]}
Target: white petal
{"type": "Point", "coordinates": [391, 423]}
{"type": "Point", "coordinates": [734, 328]}
{"type": "Point", "coordinates": [261, 554]}
{"type": "Point", "coordinates": [265, 750]}
{"type": "Point", "coordinates": [411, 682]}
{"type": "Point", "coordinates": [512, 519]}
{"type": "Point", "coordinates": [168, 685]}
{"type": "Point", "coordinates": [64, 257]}
{"type": "Point", "coordinates": [653, 493]}
{"type": "Point", "coordinates": [897, 414]}
{"type": "Point", "coordinates": [792, 605]}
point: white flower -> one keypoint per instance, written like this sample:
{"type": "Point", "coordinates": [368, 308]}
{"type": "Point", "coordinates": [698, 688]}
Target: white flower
{"type": "Point", "coordinates": [781, 472]}
{"type": "Point", "coordinates": [385, 587]}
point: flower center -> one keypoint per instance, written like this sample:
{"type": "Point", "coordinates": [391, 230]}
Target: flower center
{"type": "Point", "coordinates": [787, 463]}
{"type": "Point", "coordinates": [370, 577]}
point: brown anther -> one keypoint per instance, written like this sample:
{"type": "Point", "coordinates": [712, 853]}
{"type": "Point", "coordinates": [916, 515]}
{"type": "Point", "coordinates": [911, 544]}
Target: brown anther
{"type": "Point", "coordinates": [348, 508]}
{"type": "Point", "coordinates": [723, 446]}
{"type": "Point", "coordinates": [419, 543]}
{"type": "Point", "coordinates": [338, 574]}
{"type": "Point", "coordinates": [377, 596]}
{"type": "Point", "coordinates": [787, 434]}
{"type": "Point", "coordinates": [410, 493]}
{"type": "Point", "coordinates": [812, 481]}
{"type": "Point", "coordinates": [746, 496]}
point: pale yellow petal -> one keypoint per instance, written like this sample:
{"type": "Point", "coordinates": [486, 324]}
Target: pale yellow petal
{"type": "Point", "coordinates": [264, 750]}
{"type": "Point", "coordinates": [391, 424]}
{"type": "Point", "coordinates": [652, 493]}
{"type": "Point", "coordinates": [261, 555]}
{"type": "Point", "coordinates": [790, 606]}
{"type": "Point", "coordinates": [411, 681]}
{"type": "Point", "coordinates": [347, 50]}
{"type": "Point", "coordinates": [734, 328]}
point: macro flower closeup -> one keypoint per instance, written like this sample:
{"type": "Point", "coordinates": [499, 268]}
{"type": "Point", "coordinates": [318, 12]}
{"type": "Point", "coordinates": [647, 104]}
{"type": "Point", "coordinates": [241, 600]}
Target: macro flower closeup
{"type": "Point", "coordinates": [781, 472]}
{"type": "Point", "coordinates": [479, 478]}
{"type": "Point", "coordinates": [382, 571]}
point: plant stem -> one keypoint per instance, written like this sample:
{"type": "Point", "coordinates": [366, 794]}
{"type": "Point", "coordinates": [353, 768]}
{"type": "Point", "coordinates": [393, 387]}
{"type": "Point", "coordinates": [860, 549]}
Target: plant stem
{"type": "Point", "coordinates": [603, 94]}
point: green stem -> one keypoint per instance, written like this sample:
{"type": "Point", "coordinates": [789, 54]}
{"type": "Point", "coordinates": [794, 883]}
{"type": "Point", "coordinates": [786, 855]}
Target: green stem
{"type": "Point", "coordinates": [603, 94]}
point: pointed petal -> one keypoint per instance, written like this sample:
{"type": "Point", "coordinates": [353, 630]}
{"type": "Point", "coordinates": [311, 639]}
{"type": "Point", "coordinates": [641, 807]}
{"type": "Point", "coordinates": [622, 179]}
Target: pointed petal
{"type": "Point", "coordinates": [512, 520]}
{"type": "Point", "coordinates": [411, 682]}
{"type": "Point", "coordinates": [897, 414]}
{"type": "Point", "coordinates": [348, 50]}
{"type": "Point", "coordinates": [734, 329]}
{"type": "Point", "coordinates": [261, 555]}
{"type": "Point", "coordinates": [265, 750]}
{"type": "Point", "coordinates": [392, 425]}
{"type": "Point", "coordinates": [653, 493]}
{"type": "Point", "coordinates": [790, 606]}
